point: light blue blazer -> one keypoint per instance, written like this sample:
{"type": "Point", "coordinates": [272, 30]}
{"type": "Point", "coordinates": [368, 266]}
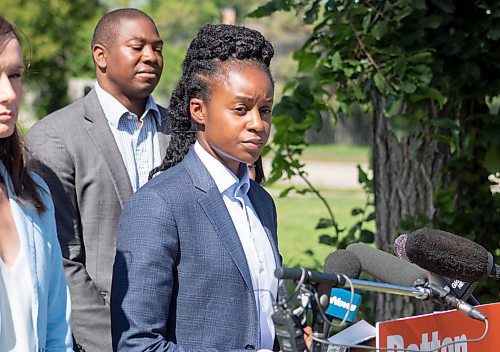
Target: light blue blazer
{"type": "Point", "coordinates": [51, 306]}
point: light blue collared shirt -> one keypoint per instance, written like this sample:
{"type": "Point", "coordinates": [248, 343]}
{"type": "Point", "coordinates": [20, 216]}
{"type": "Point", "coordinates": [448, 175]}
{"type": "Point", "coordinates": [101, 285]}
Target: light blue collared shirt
{"type": "Point", "coordinates": [255, 243]}
{"type": "Point", "coordinates": [139, 146]}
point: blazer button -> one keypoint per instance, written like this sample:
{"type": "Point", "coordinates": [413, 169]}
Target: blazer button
{"type": "Point", "coordinates": [249, 347]}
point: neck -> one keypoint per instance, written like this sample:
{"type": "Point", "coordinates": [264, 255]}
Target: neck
{"type": "Point", "coordinates": [135, 105]}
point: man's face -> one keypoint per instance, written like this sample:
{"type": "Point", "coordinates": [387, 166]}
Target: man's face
{"type": "Point", "coordinates": [133, 61]}
{"type": "Point", "coordinates": [11, 88]}
{"type": "Point", "coordinates": [236, 122]}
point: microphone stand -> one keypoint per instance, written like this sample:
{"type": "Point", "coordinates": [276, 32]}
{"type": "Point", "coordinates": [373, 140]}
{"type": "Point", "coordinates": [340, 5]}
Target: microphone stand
{"type": "Point", "coordinates": [317, 323]}
{"type": "Point", "coordinates": [422, 291]}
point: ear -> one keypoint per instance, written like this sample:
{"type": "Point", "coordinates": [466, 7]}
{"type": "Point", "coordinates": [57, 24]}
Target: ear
{"type": "Point", "coordinates": [198, 110]}
{"type": "Point", "coordinates": [99, 54]}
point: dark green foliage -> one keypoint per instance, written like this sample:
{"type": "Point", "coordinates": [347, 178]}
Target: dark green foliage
{"type": "Point", "coordinates": [437, 64]}
{"type": "Point", "coordinates": [57, 43]}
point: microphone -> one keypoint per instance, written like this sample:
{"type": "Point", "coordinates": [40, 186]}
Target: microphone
{"type": "Point", "coordinates": [450, 255]}
{"type": "Point", "coordinates": [287, 326]}
{"type": "Point", "coordinates": [343, 262]}
{"type": "Point", "coordinates": [459, 288]}
{"type": "Point", "coordinates": [386, 267]}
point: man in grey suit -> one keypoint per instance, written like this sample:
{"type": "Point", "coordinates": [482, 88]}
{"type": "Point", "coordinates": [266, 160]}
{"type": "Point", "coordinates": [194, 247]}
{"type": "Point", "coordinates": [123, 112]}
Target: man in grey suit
{"type": "Point", "coordinates": [95, 153]}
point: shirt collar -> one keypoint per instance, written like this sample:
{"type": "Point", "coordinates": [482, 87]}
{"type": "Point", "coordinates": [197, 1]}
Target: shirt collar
{"type": "Point", "coordinates": [114, 110]}
{"type": "Point", "coordinates": [224, 178]}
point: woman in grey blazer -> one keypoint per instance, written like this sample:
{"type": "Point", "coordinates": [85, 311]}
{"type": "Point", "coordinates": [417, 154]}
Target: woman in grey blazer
{"type": "Point", "coordinates": [197, 245]}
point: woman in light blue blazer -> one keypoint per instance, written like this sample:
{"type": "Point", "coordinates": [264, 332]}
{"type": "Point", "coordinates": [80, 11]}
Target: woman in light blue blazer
{"type": "Point", "coordinates": [34, 297]}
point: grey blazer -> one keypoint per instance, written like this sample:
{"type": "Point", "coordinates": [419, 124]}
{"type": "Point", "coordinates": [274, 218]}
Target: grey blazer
{"type": "Point", "coordinates": [76, 154]}
{"type": "Point", "coordinates": [181, 279]}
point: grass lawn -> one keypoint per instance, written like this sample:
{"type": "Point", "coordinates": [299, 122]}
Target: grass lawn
{"type": "Point", "coordinates": [297, 219]}
{"type": "Point", "coordinates": [299, 214]}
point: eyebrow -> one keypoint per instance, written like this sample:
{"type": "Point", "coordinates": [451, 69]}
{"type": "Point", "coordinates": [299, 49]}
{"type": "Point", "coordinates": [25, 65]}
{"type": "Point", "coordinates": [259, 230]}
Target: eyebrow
{"type": "Point", "coordinates": [142, 40]}
{"type": "Point", "coordinates": [247, 99]}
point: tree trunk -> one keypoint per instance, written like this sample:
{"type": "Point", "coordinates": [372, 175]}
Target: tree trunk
{"type": "Point", "coordinates": [406, 175]}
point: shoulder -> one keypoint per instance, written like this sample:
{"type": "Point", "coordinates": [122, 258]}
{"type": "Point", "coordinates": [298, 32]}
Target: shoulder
{"type": "Point", "coordinates": [170, 180]}
{"type": "Point", "coordinates": [260, 192]}
{"type": "Point", "coordinates": [62, 118]}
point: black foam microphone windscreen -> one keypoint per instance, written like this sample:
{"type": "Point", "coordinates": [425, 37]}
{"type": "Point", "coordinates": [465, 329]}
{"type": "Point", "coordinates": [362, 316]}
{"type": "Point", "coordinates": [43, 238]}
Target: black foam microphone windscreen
{"type": "Point", "coordinates": [386, 267]}
{"type": "Point", "coordinates": [343, 262]}
{"type": "Point", "coordinates": [449, 255]}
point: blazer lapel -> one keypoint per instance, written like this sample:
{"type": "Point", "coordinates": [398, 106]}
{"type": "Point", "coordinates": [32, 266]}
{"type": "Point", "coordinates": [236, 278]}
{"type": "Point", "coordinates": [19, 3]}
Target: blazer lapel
{"type": "Point", "coordinates": [100, 133]}
{"type": "Point", "coordinates": [214, 207]}
{"type": "Point", "coordinates": [163, 132]}
{"type": "Point", "coordinates": [266, 218]}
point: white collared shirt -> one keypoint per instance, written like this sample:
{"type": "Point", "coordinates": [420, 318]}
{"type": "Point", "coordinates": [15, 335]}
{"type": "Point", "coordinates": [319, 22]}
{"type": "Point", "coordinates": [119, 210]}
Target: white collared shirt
{"type": "Point", "coordinates": [255, 243]}
{"type": "Point", "coordinates": [139, 146]}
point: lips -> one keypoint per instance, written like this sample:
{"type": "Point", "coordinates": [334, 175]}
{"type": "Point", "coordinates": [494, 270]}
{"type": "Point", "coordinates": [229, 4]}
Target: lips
{"type": "Point", "coordinates": [254, 143]}
{"type": "Point", "coordinates": [148, 73]}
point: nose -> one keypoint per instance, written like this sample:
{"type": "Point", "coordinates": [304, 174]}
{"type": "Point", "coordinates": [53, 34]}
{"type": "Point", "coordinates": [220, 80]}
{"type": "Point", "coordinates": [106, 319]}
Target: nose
{"type": "Point", "coordinates": [7, 93]}
{"type": "Point", "coordinates": [255, 122]}
{"type": "Point", "coordinates": [149, 54]}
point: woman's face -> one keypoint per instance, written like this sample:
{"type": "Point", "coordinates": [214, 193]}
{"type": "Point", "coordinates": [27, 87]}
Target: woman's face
{"type": "Point", "coordinates": [235, 124]}
{"type": "Point", "coordinates": [11, 70]}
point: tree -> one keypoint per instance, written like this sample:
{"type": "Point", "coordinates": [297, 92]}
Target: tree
{"type": "Point", "coordinates": [426, 70]}
{"type": "Point", "coordinates": [57, 38]}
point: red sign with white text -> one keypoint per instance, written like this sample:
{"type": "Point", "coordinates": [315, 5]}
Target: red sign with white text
{"type": "Point", "coordinates": [437, 330]}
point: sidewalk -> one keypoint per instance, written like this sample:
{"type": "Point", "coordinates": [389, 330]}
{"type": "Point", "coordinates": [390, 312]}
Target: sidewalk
{"type": "Point", "coordinates": [337, 175]}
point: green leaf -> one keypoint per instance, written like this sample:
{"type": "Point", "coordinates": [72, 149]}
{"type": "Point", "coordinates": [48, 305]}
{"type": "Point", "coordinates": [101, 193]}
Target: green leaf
{"type": "Point", "coordinates": [307, 61]}
{"type": "Point", "coordinates": [445, 123]}
{"type": "Point", "coordinates": [370, 217]}
{"type": "Point", "coordinates": [408, 87]}
{"type": "Point", "coordinates": [356, 211]}
{"type": "Point", "coordinates": [494, 32]}
{"type": "Point", "coordinates": [424, 93]}
{"type": "Point", "coordinates": [403, 125]}
{"type": "Point", "coordinates": [431, 22]}
{"type": "Point", "coordinates": [366, 22]}
{"type": "Point", "coordinates": [269, 8]}
{"type": "Point", "coordinates": [366, 236]}
{"type": "Point", "coordinates": [328, 240]}
{"type": "Point", "coordinates": [381, 83]}
{"type": "Point", "coordinates": [446, 5]}
{"type": "Point", "coordinates": [492, 159]}
{"type": "Point", "coordinates": [324, 223]}
{"type": "Point", "coordinates": [336, 61]}
{"type": "Point", "coordinates": [379, 30]}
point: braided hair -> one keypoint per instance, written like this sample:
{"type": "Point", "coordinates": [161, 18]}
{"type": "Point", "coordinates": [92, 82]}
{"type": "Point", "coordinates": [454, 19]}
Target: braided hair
{"type": "Point", "coordinates": [213, 47]}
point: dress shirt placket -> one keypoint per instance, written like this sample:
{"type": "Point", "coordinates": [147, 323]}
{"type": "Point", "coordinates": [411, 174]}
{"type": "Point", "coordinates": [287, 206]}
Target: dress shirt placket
{"type": "Point", "coordinates": [239, 195]}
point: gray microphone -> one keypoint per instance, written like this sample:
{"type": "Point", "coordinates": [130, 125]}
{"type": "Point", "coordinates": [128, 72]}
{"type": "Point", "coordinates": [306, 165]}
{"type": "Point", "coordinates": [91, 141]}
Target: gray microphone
{"type": "Point", "coordinates": [394, 270]}
{"type": "Point", "coordinates": [450, 255]}
{"type": "Point", "coordinates": [387, 267]}
{"type": "Point", "coordinates": [459, 288]}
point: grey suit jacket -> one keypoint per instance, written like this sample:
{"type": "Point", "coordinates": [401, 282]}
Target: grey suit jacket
{"type": "Point", "coordinates": [181, 279]}
{"type": "Point", "coordinates": [76, 153]}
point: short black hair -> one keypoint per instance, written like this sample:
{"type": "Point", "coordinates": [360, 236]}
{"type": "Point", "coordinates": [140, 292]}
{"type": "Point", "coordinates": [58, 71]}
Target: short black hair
{"type": "Point", "coordinates": [213, 47]}
{"type": "Point", "coordinates": [107, 27]}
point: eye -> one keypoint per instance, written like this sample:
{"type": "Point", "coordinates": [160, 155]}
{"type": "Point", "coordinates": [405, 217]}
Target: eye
{"type": "Point", "coordinates": [136, 48]}
{"type": "Point", "coordinates": [241, 110]}
{"type": "Point", "coordinates": [158, 49]}
{"type": "Point", "coordinates": [16, 75]}
{"type": "Point", "coordinates": [266, 111]}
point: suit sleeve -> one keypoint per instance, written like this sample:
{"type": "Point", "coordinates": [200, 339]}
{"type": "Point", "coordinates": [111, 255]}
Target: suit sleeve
{"type": "Point", "coordinates": [90, 312]}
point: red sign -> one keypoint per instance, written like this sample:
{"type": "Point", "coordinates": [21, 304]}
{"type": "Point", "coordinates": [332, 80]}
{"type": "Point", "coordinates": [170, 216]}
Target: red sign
{"type": "Point", "coordinates": [449, 331]}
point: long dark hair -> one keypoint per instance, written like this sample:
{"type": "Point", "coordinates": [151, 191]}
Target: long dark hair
{"type": "Point", "coordinates": [13, 152]}
{"type": "Point", "coordinates": [210, 49]}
